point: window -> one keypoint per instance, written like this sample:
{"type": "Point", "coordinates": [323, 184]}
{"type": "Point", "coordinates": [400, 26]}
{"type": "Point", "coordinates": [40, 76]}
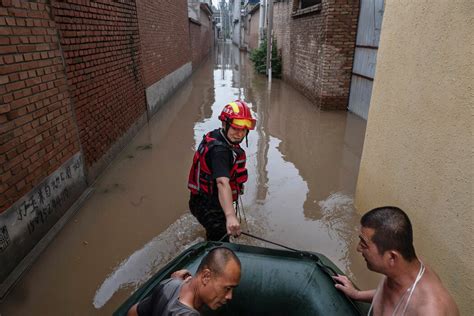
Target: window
{"type": "Point", "coordinates": [303, 7]}
{"type": "Point", "coordinates": [308, 3]}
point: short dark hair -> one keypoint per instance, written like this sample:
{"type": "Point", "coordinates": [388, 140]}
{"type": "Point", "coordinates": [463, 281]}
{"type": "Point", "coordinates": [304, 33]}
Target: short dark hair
{"type": "Point", "coordinates": [216, 260]}
{"type": "Point", "coordinates": [393, 230]}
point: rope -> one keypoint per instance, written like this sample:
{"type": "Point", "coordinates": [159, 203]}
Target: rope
{"type": "Point", "coordinates": [327, 269]}
{"type": "Point", "coordinates": [270, 242]}
{"type": "Point", "coordinates": [241, 206]}
{"type": "Point", "coordinates": [223, 237]}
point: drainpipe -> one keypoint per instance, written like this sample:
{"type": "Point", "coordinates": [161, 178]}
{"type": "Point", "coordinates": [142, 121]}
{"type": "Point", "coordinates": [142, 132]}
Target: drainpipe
{"type": "Point", "coordinates": [269, 40]}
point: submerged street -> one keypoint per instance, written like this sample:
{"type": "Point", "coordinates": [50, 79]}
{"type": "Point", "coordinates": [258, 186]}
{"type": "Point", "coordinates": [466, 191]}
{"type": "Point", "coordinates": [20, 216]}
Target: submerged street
{"type": "Point", "coordinates": [303, 165]}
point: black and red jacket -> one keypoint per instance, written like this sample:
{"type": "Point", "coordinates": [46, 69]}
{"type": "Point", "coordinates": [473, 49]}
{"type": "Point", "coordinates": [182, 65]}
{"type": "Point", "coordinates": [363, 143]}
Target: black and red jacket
{"type": "Point", "coordinates": [200, 176]}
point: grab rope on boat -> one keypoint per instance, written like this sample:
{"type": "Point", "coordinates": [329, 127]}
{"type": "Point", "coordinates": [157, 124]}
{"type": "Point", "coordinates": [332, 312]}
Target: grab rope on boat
{"type": "Point", "coordinates": [327, 269]}
{"type": "Point", "coordinates": [240, 210]}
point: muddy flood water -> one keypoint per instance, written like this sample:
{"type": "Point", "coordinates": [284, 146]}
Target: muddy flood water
{"type": "Point", "coordinates": [303, 165]}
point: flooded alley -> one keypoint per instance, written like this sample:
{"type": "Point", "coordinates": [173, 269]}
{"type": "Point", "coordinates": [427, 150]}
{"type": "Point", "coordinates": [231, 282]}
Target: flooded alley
{"type": "Point", "coordinates": [303, 165]}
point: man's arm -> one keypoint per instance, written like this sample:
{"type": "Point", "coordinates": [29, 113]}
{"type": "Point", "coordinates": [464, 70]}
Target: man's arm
{"type": "Point", "coordinates": [225, 199]}
{"type": "Point", "coordinates": [133, 311]}
{"type": "Point", "coordinates": [346, 286]}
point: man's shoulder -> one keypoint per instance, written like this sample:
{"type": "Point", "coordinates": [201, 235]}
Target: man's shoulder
{"type": "Point", "coordinates": [219, 144]}
{"type": "Point", "coordinates": [218, 138]}
{"type": "Point", "coordinates": [432, 298]}
{"type": "Point", "coordinates": [216, 134]}
{"type": "Point", "coordinates": [177, 308]}
{"type": "Point", "coordinates": [434, 306]}
{"type": "Point", "coordinates": [167, 288]}
{"type": "Point", "coordinates": [171, 283]}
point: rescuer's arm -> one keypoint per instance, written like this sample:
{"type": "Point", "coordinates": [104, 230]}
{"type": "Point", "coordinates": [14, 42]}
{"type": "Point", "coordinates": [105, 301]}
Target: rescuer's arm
{"type": "Point", "coordinates": [225, 199]}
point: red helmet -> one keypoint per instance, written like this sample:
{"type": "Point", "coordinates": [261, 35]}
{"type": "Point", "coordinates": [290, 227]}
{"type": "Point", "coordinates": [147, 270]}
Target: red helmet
{"type": "Point", "coordinates": [238, 115]}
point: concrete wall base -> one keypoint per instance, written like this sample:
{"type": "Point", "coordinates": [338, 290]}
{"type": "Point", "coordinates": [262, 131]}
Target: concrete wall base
{"type": "Point", "coordinates": [26, 223]}
{"type": "Point", "coordinates": [159, 92]}
{"type": "Point", "coordinates": [27, 262]}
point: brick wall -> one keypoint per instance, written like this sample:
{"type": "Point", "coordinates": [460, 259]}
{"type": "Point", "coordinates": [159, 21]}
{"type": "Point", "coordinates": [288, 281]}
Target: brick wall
{"type": "Point", "coordinates": [341, 29]}
{"type": "Point", "coordinates": [101, 51]}
{"type": "Point", "coordinates": [201, 37]}
{"type": "Point", "coordinates": [195, 39]}
{"type": "Point", "coordinates": [207, 33]}
{"type": "Point", "coordinates": [72, 78]}
{"type": "Point", "coordinates": [37, 130]}
{"type": "Point", "coordinates": [72, 92]}
{"type": "Point", "coordinates": [282, 27]}
{"type": "Point", "coordinates": [317, 49]}
{"type": "Point", "coordinates": [164, 35]}
{"type": "Point", "coordinates": [253, 30]}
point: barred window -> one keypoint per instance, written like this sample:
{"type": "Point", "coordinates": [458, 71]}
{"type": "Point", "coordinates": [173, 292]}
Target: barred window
{"type": "Point", "coordinates": [304, 7]}
{"type": "Point", "coordinates": [308, 3]}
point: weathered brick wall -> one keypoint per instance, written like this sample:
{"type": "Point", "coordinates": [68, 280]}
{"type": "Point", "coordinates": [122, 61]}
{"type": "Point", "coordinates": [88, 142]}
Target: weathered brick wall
{"type": "Point", "coordinates": [253, 30]}
{"type": "Point", "coordinates": [341, 29]}
{"type": "Point", "coordinates": [37, 129]}
{"type": "Point", "coordinates": [281, 30]}
{"type": "Point", "coordinates": [201, 37]}
{"type": "Point", "coordinates": [164, 36]}
{"type": "Point", "coordinates": [195, 39]}
{"type": "Point", "coordinates": [317, 49]}
{"type": "Point", "coordinates": [72, 91]}
{"type": "Point", "coordinates": [207, 33]}
{"type": "Point", "coordinates": [245, 31]}
{"type": "Point", "coordinates": [101, 51]}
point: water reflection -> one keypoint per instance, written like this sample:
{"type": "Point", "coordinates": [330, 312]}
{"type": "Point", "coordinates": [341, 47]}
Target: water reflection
{"type": "Point", "coordinates": [143, 263]}
{"type": "Point", "coordinates": [303, 165]}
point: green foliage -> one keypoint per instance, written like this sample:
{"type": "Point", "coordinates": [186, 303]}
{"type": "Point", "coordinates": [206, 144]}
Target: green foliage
{"type": "Point", "coordinates": [259, 58]}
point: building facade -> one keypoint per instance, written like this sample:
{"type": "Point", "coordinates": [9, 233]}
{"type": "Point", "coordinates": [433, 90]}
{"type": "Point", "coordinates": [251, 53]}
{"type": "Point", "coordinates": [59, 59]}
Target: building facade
{"type": "Point", "coordinates": [418, 146]}
{"type": "Point", "coordinates": [77, 81]}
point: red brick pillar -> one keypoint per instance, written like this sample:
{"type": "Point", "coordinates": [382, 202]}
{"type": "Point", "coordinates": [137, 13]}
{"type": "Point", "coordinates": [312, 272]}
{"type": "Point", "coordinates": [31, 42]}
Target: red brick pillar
{"type": "Point", "coordinates": [338, 52]}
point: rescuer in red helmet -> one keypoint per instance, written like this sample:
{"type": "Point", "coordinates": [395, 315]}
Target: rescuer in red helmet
{"type": "Point", "coordinates": [218, 173]}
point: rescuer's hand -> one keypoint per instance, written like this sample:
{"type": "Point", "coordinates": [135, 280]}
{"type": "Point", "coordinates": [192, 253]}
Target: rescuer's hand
{"type": "Point", "coordinates": [233, 226]}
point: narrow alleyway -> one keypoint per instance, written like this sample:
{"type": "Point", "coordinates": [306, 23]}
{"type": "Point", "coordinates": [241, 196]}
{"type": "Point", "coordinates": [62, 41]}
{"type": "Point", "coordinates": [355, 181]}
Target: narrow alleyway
{"type": "Point", "coordinates": [303, 166]}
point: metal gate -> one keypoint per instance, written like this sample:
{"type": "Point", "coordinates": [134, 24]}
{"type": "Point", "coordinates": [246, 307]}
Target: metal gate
{"type": "Point", "coordinates": [365, 58]}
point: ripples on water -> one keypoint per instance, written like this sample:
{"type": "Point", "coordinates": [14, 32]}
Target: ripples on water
{"type": "Point", "coordinates": [338, 212]}
{"type": "Point", "coordinates": [145, 262]}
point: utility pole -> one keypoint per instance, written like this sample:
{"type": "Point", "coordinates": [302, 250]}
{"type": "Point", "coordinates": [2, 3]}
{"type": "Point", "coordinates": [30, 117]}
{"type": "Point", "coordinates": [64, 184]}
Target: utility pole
{"type": "Point", "coordinates": [269, 40]}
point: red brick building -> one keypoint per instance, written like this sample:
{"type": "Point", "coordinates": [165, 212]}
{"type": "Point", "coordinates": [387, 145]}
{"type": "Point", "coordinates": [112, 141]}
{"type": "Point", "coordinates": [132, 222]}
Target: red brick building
{"type": "Point", "coordinates": [77, 81]}
{"type": "Point", "coordinates": [201, 31]}
{"type": "Point", "coordinates": [316, 39]}
{"type": "Point", "coordinates": [251, 28]}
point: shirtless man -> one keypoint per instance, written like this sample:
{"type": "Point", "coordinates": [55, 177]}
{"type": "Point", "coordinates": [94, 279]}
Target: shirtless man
{"type": "Point", "coordinates": [408, 287]}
